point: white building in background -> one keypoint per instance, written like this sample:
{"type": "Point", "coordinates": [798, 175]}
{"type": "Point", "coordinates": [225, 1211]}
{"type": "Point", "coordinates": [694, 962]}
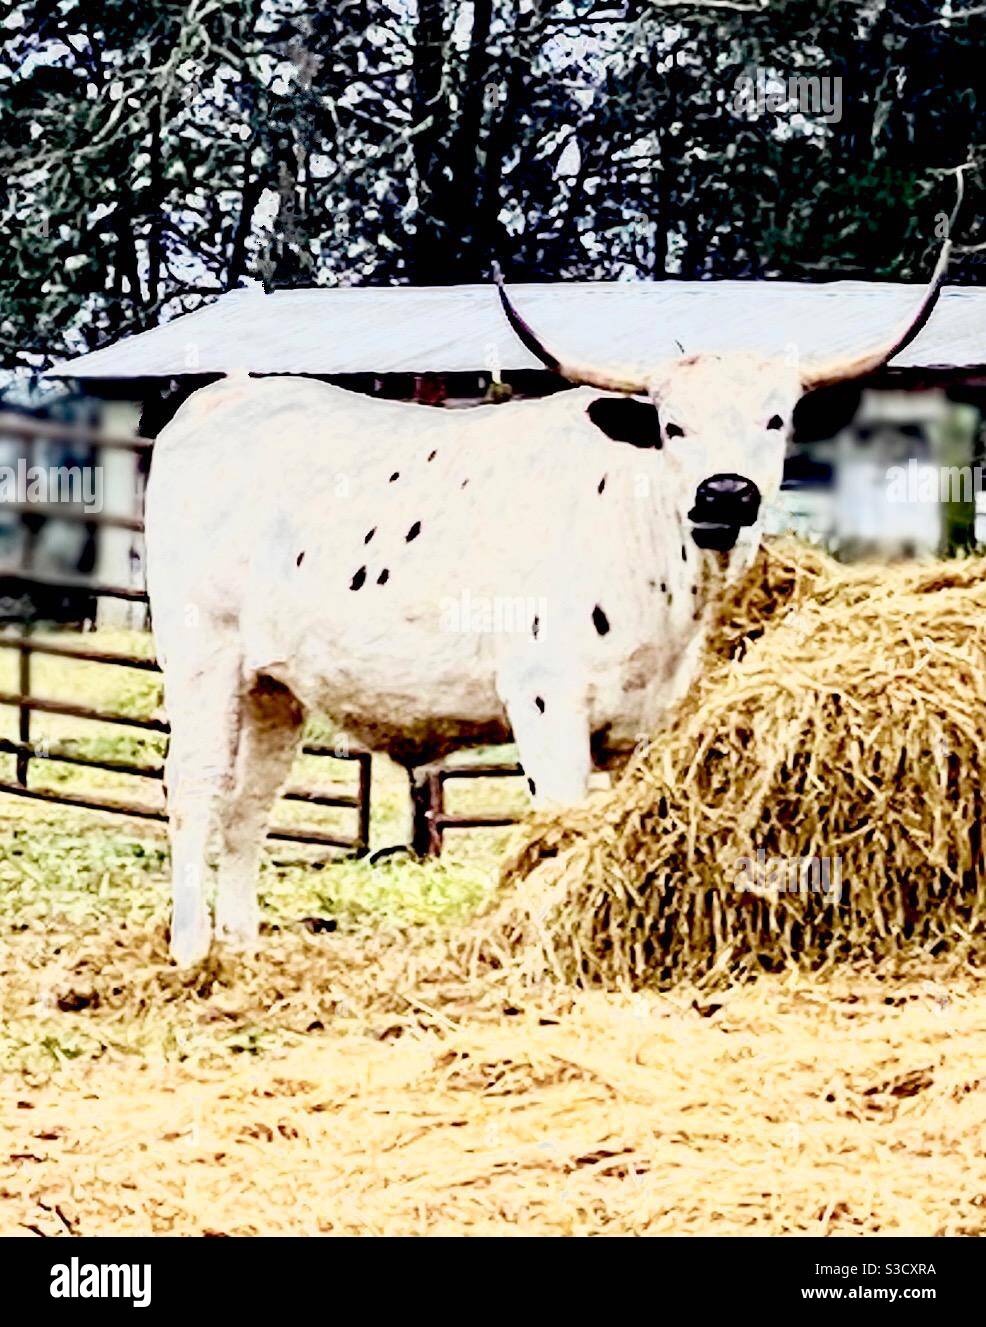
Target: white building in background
{"type": "Point", "coordinates": [881, 486]}
{"type": "Point", "coordinates": [894, 431]}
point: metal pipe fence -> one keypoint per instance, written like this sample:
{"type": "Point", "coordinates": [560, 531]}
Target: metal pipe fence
{"type": "Point", "coordinates": [430, 817]}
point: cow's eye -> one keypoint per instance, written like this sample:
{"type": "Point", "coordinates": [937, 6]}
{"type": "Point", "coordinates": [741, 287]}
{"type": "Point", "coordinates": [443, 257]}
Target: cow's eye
{"type": "Point", "coordinates": [674, 431]}
{"type": "Point", "coordinates": [775, 422]}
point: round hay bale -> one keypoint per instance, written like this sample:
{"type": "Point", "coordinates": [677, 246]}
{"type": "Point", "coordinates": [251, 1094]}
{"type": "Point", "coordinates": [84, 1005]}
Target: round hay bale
{"type": "Point", "coordinates": [817, 797]}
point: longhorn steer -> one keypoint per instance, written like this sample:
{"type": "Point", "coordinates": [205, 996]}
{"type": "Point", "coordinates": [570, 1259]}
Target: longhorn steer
{"type": "Point", "coordinates": [428, 579]}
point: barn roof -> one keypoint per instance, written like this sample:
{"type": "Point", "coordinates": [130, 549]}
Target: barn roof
{"type": "Point", "coordinates": [413, 329]}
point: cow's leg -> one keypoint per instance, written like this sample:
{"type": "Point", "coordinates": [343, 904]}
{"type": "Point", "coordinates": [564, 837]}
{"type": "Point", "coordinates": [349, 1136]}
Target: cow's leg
{"type": "Point", "coordinates": [550, 723]}
{"type": "Point", "coordinates": [203, 711]}
{"type": "Point", "coordinates": [270, 726]}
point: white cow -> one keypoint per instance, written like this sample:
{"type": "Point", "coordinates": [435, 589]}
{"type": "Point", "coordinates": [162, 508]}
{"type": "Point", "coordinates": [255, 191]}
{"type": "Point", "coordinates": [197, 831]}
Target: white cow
{"type": "Point", "coordinates": [431, 578]}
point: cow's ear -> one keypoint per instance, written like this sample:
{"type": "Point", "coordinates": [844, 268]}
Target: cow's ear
{"type": "Point", "coordinates": [625, 420]}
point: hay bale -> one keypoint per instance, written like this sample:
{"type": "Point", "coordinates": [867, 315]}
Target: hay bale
{"type": "Point", "coordinates": [841, 717]}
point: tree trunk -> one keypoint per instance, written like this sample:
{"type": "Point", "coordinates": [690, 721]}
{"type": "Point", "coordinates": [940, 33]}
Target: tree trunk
{"type": "Point", "coordinates": [430, 121]}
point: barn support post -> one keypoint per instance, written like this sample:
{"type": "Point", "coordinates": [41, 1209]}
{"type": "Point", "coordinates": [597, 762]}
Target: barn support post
{"type": "Point", "coordinates": [24, 711]}
{"type": "Point", "coordinates": [427, 808]}
{"type": "Point", "coordinates": [362, 845]}
{"type": "Point", "coordinates": [30, 527]}
{"type": "Point", "coordinates": [120, 493]}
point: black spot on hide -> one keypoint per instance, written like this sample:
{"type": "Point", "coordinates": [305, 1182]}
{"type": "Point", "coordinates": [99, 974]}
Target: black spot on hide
{"type": "Point", "coordinates": [601, 485]}
{"type": "Point", "coordinates": [432, 455]}
{"type": "Point", "coordinates": [395, 475]}
{"type": "Point", "coordinates": [664, 587]}
{"type": "Point", "coordinates": [369, 535]}
{"type": "Point", "coordinates": [539, 702]}
{"type": "Point", "coordinates": [600, 621]}
{"type": "Point", "coordinates": [357, 582]}
{"type": "Point", "coordinates": [464, 483]}
{"type": "Point", "coordinates": [533, 787]}
{"type": "Point", "coordinates": [300, 558]}
{"type": "Point", "coordinates": [625, 420]}
{"type": "Point", "coordinates": [384, 577]}
{"type": "Point", "coordinates": [535, 627]}
{"type": "Point", "coordinates": [684, 553]}
{"type": "Point", "coordinates": [413, 533]}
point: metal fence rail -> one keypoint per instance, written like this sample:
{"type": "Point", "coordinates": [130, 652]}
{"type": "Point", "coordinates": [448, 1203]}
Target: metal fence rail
{"type": "Point", "coordinates": [25, 751]}
{"type": "Point", "coordinates": [430, 818]}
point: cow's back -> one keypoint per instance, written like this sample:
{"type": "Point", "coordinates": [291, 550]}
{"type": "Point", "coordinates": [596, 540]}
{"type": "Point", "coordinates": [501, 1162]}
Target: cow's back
{"type": "Point", "coordinates": [246, 463]}
{"type": "Point", "coordinates": [355, 547]}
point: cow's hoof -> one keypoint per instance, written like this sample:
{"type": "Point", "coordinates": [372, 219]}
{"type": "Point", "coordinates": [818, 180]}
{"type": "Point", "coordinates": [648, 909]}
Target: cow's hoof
{"type": "Point", "coordinates": [190, 950]}
{"type": "Point", "coordinates": [238, 942]}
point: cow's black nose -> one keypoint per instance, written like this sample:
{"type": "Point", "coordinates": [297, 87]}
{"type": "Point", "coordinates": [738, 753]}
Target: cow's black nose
{"type": "Point", "coordinates": [730, 487]}
{"type": "Point", "coordinates": [727, 498]}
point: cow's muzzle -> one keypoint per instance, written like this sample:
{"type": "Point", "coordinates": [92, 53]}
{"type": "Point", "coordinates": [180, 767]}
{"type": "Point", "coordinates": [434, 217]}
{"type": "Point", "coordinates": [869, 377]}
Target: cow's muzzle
{"type": "Point", "coordinates": [723, 505]}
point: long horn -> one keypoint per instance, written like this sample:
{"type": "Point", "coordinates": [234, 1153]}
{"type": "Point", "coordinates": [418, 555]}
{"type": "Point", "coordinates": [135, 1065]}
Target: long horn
{"type": "Point", "coordinates": [827, 373]}
{"type": "Point", "coordinates": [576, 373]}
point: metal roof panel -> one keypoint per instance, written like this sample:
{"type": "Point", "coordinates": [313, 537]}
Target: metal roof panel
{"type": "Point", "coordinates": [413, 329]}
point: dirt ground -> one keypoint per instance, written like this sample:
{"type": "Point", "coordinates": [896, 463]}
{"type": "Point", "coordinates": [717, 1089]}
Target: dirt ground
{"type": "Point", "coordinates": [332, 1085]}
